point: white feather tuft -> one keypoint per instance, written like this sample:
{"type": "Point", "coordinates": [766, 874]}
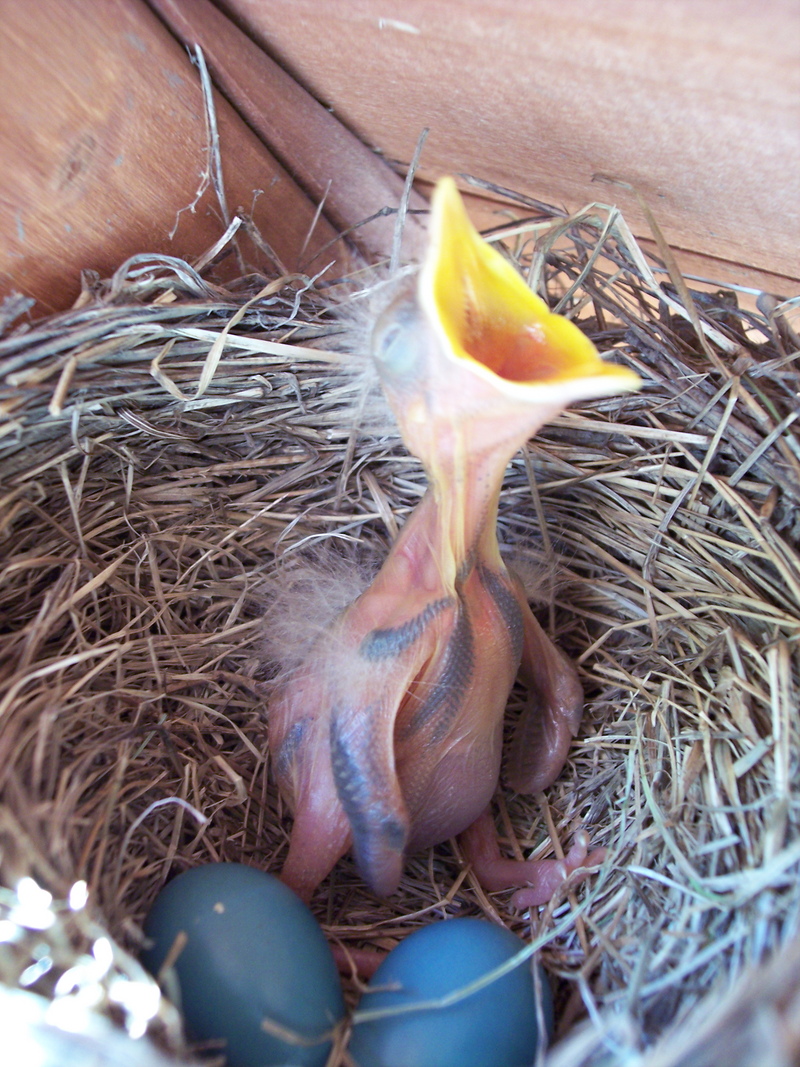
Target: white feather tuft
{"type": "Point", "coordinates": [539, 579]}
{"type": "Point", "coordinates": [308, 589]}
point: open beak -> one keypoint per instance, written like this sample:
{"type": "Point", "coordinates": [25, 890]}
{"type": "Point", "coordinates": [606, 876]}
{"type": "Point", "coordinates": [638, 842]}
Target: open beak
{"type": "Point", "coordinates": [488, 320]}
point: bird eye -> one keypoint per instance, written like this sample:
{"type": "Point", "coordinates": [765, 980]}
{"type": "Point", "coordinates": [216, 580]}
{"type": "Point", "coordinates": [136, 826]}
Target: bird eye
{"type": "Point", "coordinates": [396, 340]}
{"type": "Point", "coordinates": [387, 339]}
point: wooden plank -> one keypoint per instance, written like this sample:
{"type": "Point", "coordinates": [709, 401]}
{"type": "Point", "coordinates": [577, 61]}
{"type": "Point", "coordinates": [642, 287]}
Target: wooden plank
{"type": "Point", "coordinates": [103, 143]}
{"type": "Point", "coordinates": [694, 102]}
{"type": "Point", "coordinates": [328, 161]}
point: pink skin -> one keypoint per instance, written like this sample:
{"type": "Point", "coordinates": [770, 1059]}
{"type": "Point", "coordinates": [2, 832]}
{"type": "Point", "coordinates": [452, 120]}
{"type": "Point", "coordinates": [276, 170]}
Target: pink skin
{"type": "Point", "coordinates": [544, 878]}
{"type": "Point", "coordinates": [388, 738]}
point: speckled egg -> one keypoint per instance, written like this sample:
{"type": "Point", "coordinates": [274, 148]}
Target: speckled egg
{"type": "Point", "coordinates": [494, 1027]}
{"type": "Point", "coordinates": [253, 952]}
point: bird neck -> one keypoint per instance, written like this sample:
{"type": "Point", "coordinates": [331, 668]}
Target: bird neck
{"type": "Point", "coordinates": [463, 498]}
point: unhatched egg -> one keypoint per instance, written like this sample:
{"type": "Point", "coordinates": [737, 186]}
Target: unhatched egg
{"type": "Point", "coordinates": [253, 954]}
{"type": "Point", "coordinates": [497, 1026]}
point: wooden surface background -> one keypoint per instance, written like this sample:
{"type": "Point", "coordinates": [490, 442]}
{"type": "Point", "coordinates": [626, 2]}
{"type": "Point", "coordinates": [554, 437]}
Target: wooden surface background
{"type": "Point", "coordinates": [696, 103]}
{"type": "Point", "coordinates": [103, 148]}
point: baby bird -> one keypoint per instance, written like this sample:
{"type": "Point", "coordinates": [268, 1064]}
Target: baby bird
{"type": "Point", "coordinates": [387, 739]}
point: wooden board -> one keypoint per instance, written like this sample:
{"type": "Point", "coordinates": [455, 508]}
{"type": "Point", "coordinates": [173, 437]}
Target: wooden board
{"type": "Point", "coordinates": [103, 143]}
{"type": "Point", "coordinates": [330, 163]}
{"type": "Point", "coordinates": [694, 102]}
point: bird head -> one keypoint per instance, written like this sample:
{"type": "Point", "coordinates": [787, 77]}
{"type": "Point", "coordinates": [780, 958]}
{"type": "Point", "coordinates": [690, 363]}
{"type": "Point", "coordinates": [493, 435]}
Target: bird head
{"type": "Point", "coordinates": [470, 358]}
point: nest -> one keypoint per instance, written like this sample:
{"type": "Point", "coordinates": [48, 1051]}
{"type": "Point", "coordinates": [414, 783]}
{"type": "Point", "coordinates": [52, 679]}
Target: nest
{"type": "Point", "coordinates": [167, 444]}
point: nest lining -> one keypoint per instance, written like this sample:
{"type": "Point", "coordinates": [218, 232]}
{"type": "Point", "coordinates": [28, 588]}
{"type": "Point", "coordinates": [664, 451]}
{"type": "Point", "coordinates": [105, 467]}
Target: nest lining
{"type": "Point", "coordinates": [155, 486]}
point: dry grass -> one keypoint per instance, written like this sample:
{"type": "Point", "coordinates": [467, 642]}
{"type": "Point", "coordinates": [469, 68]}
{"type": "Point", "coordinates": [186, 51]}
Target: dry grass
{"type": "Point", "coordinates": [152, 478]}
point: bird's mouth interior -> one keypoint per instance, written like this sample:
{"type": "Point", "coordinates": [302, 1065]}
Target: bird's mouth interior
{"type": "Point", "coordinates": [518, 353]}
{"type": "Point", "coordinates": [488, 314]}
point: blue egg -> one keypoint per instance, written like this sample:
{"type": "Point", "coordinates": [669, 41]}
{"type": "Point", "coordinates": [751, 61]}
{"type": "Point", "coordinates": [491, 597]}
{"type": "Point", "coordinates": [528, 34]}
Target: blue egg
{"type": "Point", "coordinates": [494, 1027]}
{"type": "Point", "coordinates": [253, 951]}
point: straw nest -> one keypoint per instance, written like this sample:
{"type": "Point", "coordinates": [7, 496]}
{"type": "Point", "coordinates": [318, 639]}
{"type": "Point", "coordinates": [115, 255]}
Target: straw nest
{"type": "Point", "coordinates": [167, 446]}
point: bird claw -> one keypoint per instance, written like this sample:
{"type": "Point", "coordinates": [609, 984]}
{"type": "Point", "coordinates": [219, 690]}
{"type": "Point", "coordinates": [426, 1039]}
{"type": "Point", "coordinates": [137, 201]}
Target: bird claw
{"type": "Point", "coordinates": [576, 866]}
{"type": "Point", "coordinates": [539, 880]}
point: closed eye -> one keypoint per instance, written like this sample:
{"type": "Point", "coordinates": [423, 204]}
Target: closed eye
{"type": "Point", "coordinates": [396, 341]}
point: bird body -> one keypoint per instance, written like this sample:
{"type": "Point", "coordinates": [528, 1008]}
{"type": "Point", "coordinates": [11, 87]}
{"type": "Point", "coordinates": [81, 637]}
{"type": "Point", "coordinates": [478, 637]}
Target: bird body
{"type": "Point", "coordinates": [388, 737]}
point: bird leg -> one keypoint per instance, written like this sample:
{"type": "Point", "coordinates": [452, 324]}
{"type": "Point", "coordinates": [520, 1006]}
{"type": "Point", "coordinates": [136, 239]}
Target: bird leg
{"type": "Point", "coordinates": [539, 880]}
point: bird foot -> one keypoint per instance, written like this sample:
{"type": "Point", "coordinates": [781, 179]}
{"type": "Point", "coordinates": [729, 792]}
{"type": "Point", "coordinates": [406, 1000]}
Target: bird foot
{"type": "Point", "coordinates": [357, 962]}
{"type": "Point", "coordinates": [538, 881]}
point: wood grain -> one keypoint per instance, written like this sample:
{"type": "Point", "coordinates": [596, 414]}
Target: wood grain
{"type": "Point", "coordinates": [103, 143]}
{"type": "Point", "coordinates": [329, 162]}
{"type": "Point", "coordinates": [696, 103]}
